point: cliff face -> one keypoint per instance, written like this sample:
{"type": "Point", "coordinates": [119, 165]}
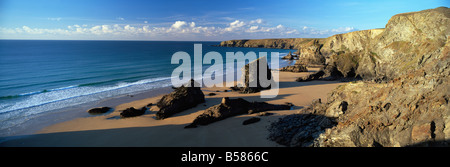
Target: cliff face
{"type": "Point", "coordinates": [356, 41]}
{"type": "Point", "coordinates": [408, 42]}
{"type": "Point", "coordinates": [404, 99]}
{"type": "Point", "coordinates": [286, 43]}
{"type": "Point", "coordinates": [408, 110]}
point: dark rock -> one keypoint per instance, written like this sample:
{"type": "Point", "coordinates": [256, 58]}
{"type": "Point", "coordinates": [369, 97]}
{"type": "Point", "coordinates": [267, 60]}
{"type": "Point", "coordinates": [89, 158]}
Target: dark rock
{"type": "Point", "coordinates": [149, 104]}
{"type": "Point", "coordinates": [231, 107]}
{"type": "Point", "coordinates": [251, 120]}
{"type": "Point", "coordinates": [289, 56]}
{"type": "Point", "coordinates": [343, 106]}
{"type": "Point", "coordinates": [132, 112]}
{"type": "Point", "coordinates": [299, 130]}
{"type": "Point", "coordinates": [387, 106]}
{"type": "Point", "coordinates": [257, 107]}
{"type": "Point", "coordinates": [249, 78]}
{"type": "Point", "coordinates": [289, 104]}
{"type": "Point", "coordinates": [295, 68]}
{"type": "Point", "coordinates": [211, 94]}
{"type": "Point", "coordinates": [99, 110]}
{"type": "Point", "coordinates": [182, 98]}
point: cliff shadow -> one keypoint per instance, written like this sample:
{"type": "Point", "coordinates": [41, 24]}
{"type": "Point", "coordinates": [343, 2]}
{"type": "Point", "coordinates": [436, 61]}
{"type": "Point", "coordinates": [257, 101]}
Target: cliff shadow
{"type": "Point", "coordinates": [226, 133]}
{"type": "Point", "coordinates": [212, 101]}
{"type": "Point", "coordinates": [290, 84]}
{"type": "Point", "coordinates": [437, 143]}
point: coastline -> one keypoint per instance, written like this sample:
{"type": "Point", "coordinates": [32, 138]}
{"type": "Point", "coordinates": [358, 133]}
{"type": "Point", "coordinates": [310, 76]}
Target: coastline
{"type": "Point", "coordinates": [110, 130]}
{"type": "Point", "coordinates": [79, 111]}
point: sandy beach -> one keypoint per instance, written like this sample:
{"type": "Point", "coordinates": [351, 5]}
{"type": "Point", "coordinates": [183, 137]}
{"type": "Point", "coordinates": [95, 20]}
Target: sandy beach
{"type": "Point", "coordinates": [110, 130]}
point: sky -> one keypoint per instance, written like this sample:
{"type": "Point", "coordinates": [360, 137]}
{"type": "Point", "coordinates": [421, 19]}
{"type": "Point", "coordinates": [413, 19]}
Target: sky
{"type": "Point", "coordinates": [196, 20]}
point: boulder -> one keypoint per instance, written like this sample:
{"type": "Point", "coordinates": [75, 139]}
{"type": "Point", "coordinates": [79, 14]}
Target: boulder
{"type": "Point", "coordinates": [99, 110]}
{"type": "Point", "coordinates": [231, 107]}
{"type": "Point", "coordinates": [182, 98]}
{"type": "Point", "coordinates": [295, 68]}
{"type": "Point", "coordinates": [132, 112]}
{"type": "Point", "coordinates": [289, 56]}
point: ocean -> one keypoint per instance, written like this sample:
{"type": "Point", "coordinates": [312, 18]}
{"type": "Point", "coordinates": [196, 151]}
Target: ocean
{"type": "Point", "coordinates": [43, 76]}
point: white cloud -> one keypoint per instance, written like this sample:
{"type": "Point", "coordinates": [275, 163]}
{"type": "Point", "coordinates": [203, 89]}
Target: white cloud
{"type": "Point", "coordinates": [237, 23]}
{"type": "Point", "coordinates": [234, 25]}
{"type": "Point", "coordinates": [120, 18]}
{"type": "Point", "coordinates": [258, 21]}
{"type": "Point", "coordinates": [178, 30]}
{"type": "Point", "coordinates": [178, 24]}
{"type": "Point", "coordinates": [343, 29]}
{"type": "Point", "coordinates": [253, 28]}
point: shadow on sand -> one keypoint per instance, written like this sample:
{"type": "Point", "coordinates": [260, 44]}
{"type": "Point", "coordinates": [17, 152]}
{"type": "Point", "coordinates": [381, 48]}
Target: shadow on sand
{"type": "Point", "coordinates": [228, 132]}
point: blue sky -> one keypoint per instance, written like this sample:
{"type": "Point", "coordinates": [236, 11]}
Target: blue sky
{"type": "Point", "coordinates": [195, 20]}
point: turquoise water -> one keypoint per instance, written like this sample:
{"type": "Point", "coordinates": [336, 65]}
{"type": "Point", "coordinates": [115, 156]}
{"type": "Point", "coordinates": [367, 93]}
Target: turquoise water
{"type": "Point", "coordinates": [38, 76]}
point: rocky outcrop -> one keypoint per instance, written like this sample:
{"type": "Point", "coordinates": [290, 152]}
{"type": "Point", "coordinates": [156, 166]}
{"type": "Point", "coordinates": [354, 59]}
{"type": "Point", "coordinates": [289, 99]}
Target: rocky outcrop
{"type": "Point", "coordinates": [250, 77]}
{"type": "Point", "coordinates": [285, 43]}
{"type": "Point", "coordinates": [408, 42]}
{"type": "Point", "coordinates": [357, 41]}
{"type": "Point", "coordinates": [231, 107]}
{"type": "Point", "coordinates": [99, 110]}
{"type": "Point", "coordinates": [403, 100]}
{"type": "Point", "coordinates": [132, 112]}
{"type": "Point", "coordinates": [310, 53]}
{"type": "Point", "coordinates": [308, 49]}
{"type": "Point", "coordinates": [310, 77]}
{"type": "Point", "coordinates": [295, 68]}
{"type": "Point", "coordinates": [290, 56]}
{"type": "Point", "coordinates": [405, 111]}
{"type": "Point", "coordinates": [299, 130]}
{"type": "Point", "coordinates": [182, 98]}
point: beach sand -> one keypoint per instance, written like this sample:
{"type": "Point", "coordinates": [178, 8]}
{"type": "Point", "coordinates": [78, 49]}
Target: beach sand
{"type": "Point", "coordinates": [143, 131]}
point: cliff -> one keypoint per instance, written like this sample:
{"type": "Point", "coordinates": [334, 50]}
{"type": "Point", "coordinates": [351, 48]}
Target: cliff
{"type": "Point", "coordinates": [285, 43]}
{"type": "Point", "coordinates": [408, 42]}
{"type": "Point", "coordinates": [403, 97]}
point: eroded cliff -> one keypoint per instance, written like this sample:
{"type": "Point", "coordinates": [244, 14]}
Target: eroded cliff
{"type": "Point", "coordinates": [403, 99]}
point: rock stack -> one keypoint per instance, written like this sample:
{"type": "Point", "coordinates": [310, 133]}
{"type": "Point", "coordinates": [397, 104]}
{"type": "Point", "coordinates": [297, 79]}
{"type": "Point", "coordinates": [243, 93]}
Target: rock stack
{"type": "Point", "coordinates": [250, 77]}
